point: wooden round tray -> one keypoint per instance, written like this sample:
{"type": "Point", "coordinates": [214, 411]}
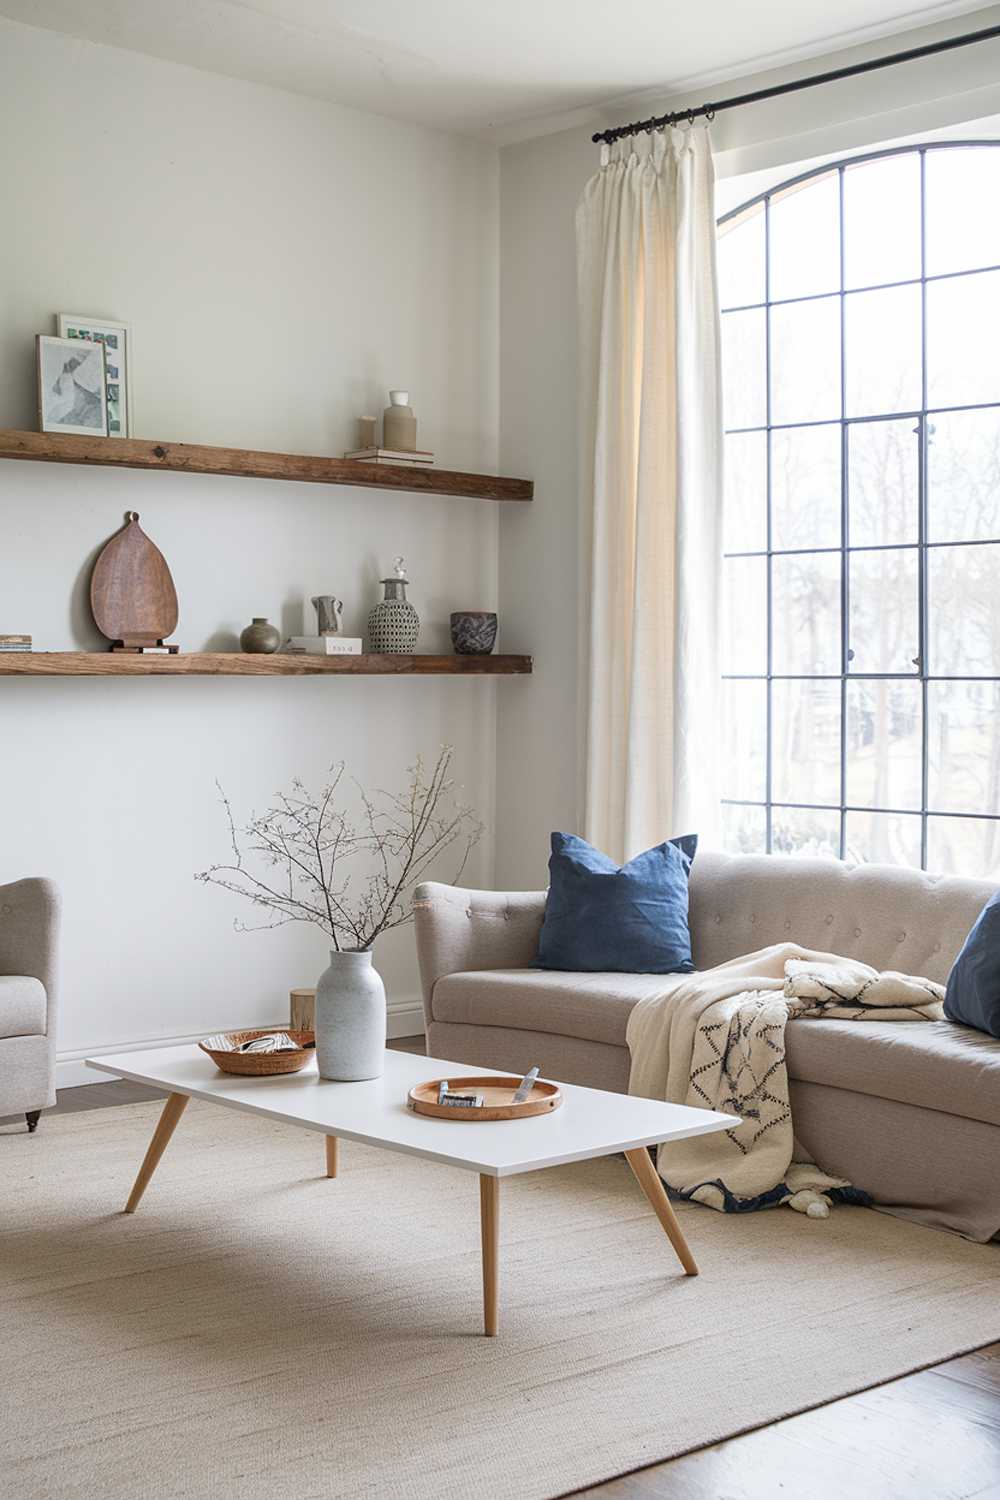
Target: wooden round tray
{"type": "Point", "coordinates": [543, 1099]}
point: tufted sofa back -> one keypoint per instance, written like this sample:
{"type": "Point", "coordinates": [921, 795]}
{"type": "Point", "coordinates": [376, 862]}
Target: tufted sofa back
{"type": "Point", "coordinates": [888, 917]}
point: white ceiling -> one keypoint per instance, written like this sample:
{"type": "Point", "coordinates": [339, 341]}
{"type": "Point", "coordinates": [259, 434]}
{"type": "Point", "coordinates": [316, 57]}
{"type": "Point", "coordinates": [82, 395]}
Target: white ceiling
{"type": "Point", "coordinates": [484, 67]}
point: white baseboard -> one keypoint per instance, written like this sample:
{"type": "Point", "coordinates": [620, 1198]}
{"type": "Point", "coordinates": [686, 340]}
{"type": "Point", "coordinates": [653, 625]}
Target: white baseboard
{"type": "Point", "coordinates": [405, 1018]}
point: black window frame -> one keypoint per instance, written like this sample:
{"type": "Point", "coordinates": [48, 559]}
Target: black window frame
{"type": "Point", "coordinates": [922, 547]}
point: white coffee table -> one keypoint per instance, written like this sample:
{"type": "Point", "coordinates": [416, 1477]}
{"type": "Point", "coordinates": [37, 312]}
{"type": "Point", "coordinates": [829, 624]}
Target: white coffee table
{"type": "Point", "coordinates": [591, 1122]}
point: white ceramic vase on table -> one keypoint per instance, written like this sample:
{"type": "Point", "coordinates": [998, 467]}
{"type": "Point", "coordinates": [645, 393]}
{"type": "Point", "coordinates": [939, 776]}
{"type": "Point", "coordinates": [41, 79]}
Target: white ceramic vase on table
{"type": "Point", "coordinates": [350, 1019]}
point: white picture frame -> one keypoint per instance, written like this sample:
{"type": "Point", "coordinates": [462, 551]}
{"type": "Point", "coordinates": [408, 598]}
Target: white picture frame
{"type": "Point", "coordinates": [116, 337]}
{"type": "Point", "coordinates": [72, 386]}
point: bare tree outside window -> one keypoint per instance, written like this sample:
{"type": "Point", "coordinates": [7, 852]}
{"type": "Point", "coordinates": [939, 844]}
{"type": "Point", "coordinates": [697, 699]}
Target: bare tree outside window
{"type": "Point", "coordinates": [862, 406]}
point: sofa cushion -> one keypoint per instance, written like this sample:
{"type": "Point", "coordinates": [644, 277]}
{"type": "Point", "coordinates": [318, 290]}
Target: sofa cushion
{"type": "Point", "coordinates": [22, 1006]}
{"type": "Point", "coordinates": [973, 994]}
{"type": "Point", "coordinates": [593, 1007]}
{"type": "Point", "coordinates": [932, 1064]}
{"type": "Point", "coordinates": [600, 916]}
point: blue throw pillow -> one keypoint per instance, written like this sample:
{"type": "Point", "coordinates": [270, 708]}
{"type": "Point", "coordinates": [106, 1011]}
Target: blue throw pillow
{"type": "Point", "coordinates": [973, 994]}
{"type": "Point", "coordinates": [631, 919]}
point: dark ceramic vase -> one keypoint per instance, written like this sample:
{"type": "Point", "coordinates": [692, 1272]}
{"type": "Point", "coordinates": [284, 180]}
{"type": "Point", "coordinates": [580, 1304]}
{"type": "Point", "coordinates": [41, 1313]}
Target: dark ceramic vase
{"type": "Point", "coordinates": [260, 638]}
{"type": "Point", "coordinates": [473, 631]}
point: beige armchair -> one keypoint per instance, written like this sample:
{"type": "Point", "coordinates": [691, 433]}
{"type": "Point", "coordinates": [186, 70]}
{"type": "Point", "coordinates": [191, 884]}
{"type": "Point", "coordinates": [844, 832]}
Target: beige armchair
{"type": "Point", "coordinates": [29, 929]}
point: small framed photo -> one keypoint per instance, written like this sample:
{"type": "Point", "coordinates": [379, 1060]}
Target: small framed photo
{"type": "Point", "coordinates": [117, 340]}
{"type": "Point", "coordinates": [72, 394]}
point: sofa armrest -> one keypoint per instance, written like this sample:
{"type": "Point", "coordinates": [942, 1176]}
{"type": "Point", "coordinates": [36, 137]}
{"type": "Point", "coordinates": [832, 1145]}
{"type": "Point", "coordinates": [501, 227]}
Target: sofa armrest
{"type": "Point", "coordinates": [29, 933]}
{"type": "Point", "coordinates": [459, 930]}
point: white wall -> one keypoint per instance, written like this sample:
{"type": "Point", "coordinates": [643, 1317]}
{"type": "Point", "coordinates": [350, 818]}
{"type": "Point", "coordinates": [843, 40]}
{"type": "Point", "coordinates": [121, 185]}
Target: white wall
{"type": "Point", "coordinates": [542, 597]}
{"type": "Point", "coordinates": [282, 263]}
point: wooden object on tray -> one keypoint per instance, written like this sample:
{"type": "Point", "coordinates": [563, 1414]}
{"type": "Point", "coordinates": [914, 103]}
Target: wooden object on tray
{"type": "Point", "coordinates": [497, 1099]}
{"type": "Point", "coordinates": [263, 1064]}
{"type": "Point", "coordinates": [132, 594]}
{"type": "Point", "coordinates": [302, 1010]}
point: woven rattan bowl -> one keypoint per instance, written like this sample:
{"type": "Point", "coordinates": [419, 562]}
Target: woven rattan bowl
{"type": "Point", "coordinates": [263, 1064]}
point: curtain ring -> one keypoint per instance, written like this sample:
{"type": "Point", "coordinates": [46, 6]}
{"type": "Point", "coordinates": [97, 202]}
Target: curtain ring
{"type": "Point", "coordinates": [710, 115]}
{"type": "Point", "coordinates": [690, 117]}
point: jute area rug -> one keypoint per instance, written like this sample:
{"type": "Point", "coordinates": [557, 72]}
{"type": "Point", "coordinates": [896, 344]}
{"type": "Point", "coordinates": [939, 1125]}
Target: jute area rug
{"type": "Point", "coordinates": [256, 1330]}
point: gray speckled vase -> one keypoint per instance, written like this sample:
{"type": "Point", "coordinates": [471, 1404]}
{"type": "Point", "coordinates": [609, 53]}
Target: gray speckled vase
{"type": "Point", "coordinates": [350, 1019]}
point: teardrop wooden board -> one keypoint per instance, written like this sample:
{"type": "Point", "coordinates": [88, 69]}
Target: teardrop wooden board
{"type": "Point", "coordinates": [543, 1099]}
{"type": "Point", "coordinates": [132, 594]}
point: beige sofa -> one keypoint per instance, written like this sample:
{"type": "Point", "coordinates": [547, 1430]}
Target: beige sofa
{"type": "Point", "coordinates": [908, 1111]}
{"type": "Point", "coordinates": [29, 926]}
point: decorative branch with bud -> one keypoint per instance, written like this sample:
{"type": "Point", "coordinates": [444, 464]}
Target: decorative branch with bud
{"type": "Point", "coordinates": [351, 873]}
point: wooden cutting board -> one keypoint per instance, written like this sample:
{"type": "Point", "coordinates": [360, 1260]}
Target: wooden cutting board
{"type": "Point", "coordinates": [132, 594]}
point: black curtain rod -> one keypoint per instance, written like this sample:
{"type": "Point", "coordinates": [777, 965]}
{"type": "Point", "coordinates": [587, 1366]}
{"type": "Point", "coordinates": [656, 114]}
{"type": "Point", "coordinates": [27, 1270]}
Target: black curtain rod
{"type": "Point", "coordinates": [659, 122]}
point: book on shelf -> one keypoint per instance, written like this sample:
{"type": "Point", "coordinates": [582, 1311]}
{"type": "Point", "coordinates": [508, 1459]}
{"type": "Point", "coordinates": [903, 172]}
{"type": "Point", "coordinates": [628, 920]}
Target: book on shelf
{"type": "Point", "coordinates": [145, 650]}
{"type": "Point", "coordinates": [390, 456]}
{"type": "Point", "coordinates": [15, 642]}
{"type": "Point", "coordinates": [323, 645]}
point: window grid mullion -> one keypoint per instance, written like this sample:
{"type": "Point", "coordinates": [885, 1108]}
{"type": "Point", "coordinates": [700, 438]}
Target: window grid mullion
{"type": "Point", "coordinates": [922, 621]}
{"type": "Point", "coordinates": [845, 601]}
{"type": "Point", "coordinates": [769, 563]}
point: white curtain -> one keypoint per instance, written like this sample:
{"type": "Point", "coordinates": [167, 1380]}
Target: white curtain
{"type": "Point", "coordinates": [651, 467]}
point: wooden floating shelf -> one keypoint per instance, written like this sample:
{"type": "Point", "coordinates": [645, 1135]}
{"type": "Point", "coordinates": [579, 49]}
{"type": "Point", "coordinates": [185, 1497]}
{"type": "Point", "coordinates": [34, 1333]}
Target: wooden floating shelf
{"type": "Point", "coordinates": [195, 458]}
{"type": "Point", "coordinates": [240, 664]}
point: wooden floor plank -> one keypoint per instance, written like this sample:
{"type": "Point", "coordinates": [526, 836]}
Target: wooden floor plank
{"type": "Point", "coordinates": [933, 1435]}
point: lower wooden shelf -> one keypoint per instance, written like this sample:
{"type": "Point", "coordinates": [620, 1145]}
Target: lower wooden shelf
{"type": "Point", "coordinates": [240, 664]}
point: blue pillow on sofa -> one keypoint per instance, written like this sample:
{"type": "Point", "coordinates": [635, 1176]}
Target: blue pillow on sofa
{"type": "Point", "coordinates": [973, 994]}
{"type": "Point", "coordinates": [631, 919]}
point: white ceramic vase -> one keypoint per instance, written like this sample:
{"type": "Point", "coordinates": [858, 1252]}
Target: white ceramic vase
{"type": "Point", "coordinates": [350, 1019]}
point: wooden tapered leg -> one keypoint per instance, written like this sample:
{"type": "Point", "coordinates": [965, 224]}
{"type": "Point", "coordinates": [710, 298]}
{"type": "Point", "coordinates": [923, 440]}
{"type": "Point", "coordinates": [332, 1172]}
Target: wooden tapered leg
{"type": "Point", "coordinates": [165, 1127]}
{"type": "Point", "coordinates": [649, 1180]}
{"type": "Point", "coordinates": [331, 1155]}
{"type": "Point", "coordinates": [489, 1223]}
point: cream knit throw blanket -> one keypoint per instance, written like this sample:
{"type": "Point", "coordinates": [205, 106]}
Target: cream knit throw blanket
{"type": "Point", "coordinates": [716, 1040]}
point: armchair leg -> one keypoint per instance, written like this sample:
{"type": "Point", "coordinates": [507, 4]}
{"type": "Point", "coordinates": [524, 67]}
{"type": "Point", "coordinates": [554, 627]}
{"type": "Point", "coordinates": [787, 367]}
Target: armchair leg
{"type": "Point", "coordinates": [32, 1119]}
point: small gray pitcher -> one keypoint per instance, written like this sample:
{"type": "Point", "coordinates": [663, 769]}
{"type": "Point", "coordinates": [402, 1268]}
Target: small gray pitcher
{"type": "Point", "coordinates": [350, 1019]}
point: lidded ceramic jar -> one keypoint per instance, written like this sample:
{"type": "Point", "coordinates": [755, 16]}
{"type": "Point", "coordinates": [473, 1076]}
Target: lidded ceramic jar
{"type": "Point", "coordinates": [399, 425]}
{"type": "Point", "coordinates": [393, 625]}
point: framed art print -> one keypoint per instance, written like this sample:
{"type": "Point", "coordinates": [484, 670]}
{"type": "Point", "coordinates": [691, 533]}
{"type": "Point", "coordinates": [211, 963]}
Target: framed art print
{"type": "Point", "coordinates": [117, 340]}
{"type": "Point", "coordinates": [72, 395]}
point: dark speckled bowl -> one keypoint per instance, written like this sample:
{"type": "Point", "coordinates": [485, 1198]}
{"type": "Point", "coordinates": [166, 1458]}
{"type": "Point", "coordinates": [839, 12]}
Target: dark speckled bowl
{"type": "Point", "coordinates": [473, 632]}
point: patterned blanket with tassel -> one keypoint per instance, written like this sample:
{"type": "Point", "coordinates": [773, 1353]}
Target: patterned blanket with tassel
{"type": "Point", "coordinates": [716, 1039]}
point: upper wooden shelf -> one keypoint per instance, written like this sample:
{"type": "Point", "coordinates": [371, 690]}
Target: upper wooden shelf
{"type": "Point", "coordinates": [195, 458]}
{"type": "Point", "coordinates": [240, 664]}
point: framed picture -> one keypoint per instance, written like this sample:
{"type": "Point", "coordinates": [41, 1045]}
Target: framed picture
{"type": "Point", "coordinates": [71, 386]}
{"type": "Point", "coordinates": [117, 340]}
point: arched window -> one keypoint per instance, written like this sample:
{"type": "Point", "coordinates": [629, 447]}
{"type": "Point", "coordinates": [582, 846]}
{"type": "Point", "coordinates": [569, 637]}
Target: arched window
{"type": "Point", "coordinates": [861, 360]}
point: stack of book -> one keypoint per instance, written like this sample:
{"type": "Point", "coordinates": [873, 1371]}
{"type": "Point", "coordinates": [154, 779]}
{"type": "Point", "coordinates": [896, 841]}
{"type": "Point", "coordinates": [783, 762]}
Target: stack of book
{"type": "Point", "coordinates": [322, 645]}
{"type": "Point", "coordinates": [15, 642]}
{"type": "Point", "coordinates": [390, 456]}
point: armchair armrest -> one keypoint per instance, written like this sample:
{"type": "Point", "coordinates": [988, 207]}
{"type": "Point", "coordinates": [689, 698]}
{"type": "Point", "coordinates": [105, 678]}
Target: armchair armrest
{"type": "Point", "coordinates": [458, 930]}
{"type": "Point", "coordinates": [29, 931]}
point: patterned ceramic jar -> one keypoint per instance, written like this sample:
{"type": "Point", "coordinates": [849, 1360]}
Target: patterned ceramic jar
{"type": "Point", "coordinates": [473, 631]}
{"type": "Point", "coordinates": [393, 625]}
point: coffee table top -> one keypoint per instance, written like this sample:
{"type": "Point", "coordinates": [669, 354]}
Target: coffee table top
{"type": "Point", "coordinates": [590, 1122]}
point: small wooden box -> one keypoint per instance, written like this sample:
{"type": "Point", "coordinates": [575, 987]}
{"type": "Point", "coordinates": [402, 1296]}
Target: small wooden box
{"type": "Point", "coordinates": [302, 1010]}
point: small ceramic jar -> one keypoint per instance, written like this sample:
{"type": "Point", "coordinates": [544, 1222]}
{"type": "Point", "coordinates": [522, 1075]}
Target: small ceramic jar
{"type": "Point", "coordinates": [260, 637]}
{"type": "Point", "coordinates": [473, 631]}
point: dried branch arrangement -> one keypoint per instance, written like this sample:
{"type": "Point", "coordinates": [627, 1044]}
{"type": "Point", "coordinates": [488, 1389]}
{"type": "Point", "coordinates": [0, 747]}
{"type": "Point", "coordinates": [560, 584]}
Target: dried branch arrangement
{"type": "Point", "coordinates": [350, 872]}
